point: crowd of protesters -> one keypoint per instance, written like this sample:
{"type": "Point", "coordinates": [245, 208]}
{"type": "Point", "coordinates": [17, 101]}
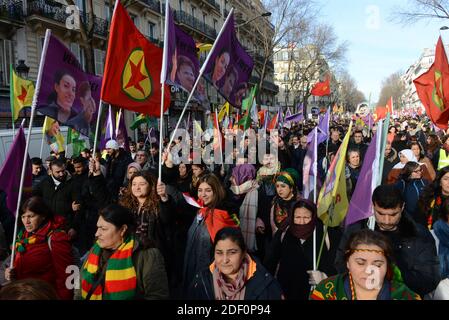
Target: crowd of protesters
{"type": "Point", "coordinates": [134, 235]}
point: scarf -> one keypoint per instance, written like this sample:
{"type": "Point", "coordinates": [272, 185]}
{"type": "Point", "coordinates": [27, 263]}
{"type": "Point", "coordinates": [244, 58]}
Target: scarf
{"type": "Point", "coordinates": [120, 280]}
{"type": "Point", "coordinates": [265, 172]}
{"type": "Point", "coordinates": [25, 238]}
{"type": "Point", "coordinates": [248, 212]}
{"type": "Point", "coordinates": [235, 290]}
{"type": "Point", "coordinates": [302, 231]}
{"type": "Point", "coordinates": [280, 212]}
{"type": "Point", "coordinates": [216, 219]}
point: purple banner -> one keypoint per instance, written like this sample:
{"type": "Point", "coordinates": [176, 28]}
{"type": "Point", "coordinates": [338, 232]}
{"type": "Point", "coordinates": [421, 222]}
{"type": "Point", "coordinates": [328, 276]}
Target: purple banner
{"type": "Point", "coordinates": [182, 61]}
{"type": "Point", "coordinates": [68, 94]}
{"type": "Point", "coordinates": [229, 67]}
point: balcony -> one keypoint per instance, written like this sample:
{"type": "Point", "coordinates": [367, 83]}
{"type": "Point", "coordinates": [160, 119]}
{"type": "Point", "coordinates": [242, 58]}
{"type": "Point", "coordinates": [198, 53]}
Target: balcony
{"type": "Point", "coordinates": [56, 11]}
{"type": "Point", "coordinates": [189, 20]}
{"type": "Point", "coordinates": [153, 4]}
{"type": "Point", "coordinates": [213, 4]}
{"type": "Point", "coordinates": [11, 10]}
{"type": "Point", "coordinates": [155, 41]}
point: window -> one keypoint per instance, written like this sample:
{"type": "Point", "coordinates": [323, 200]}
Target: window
{"type": "Point", "coordinates": [79, 4]}
{"type": "Point", "coordinates": [78, 53]}
{"type": "Point", "coordinates": [285, 56]}
{"type": "Point", "coordinates": [151, 29]}
{"type": "Point", "coordinates": [204, 18]}
{"type": "Point", "coordinates": [6, 59]}
{"type": "Point", "coordinates": [215, 24]}
{"type": "Point", "coordinates": [193, 11]}
{"type": "Point", "coordinates": [134, 19]}
{"type": "Point", "coordinates": [180, 4]}
{"type": "Point", "coordinates": [286, 77]}
{"type": "Point", "coordinates": [99, 61]}
{"type": "Point", "coordinates": [107, 13]}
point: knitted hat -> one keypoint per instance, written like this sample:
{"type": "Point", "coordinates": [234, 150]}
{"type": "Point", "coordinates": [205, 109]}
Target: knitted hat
{"type": "Point", "coordinates": [289, 176]}
{"type": "Point", "coordinates": [112, 144]}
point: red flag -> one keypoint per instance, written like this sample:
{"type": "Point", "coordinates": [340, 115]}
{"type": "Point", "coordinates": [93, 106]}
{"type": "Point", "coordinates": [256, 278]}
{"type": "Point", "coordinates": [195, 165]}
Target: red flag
{"type": "Point", "coordinates": [261, 114]}
{"type": "Point", "coordinates": [390, 105]}
{"type": "Point", "coordinates": [132, 69]}
{"type": "Point", "coordinates": [432, 88]}
{"type": "Point", "coordinates": [321, 88]}
{"type": "Point", "coordinates": [381, 113]}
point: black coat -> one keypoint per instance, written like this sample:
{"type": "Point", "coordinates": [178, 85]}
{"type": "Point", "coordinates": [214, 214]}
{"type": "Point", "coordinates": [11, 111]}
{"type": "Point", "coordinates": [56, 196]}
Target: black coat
{"type": "Point", "coordinates": [295, 259]}
{"type": "Point", "coordinates": [414, 253]}
{"type": "Point", "coordinates": [261, 286]}
{"type": "Point", "coordinates": [60, 199]}
{"type": "Point", "coordinates": [116, 171]}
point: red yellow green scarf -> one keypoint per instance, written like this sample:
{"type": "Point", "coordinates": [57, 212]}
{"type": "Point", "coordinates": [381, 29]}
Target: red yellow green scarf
{"type": "Point", "coordinates": [120, 279]}
{"type": "Point", "coordinates": [25, 238]}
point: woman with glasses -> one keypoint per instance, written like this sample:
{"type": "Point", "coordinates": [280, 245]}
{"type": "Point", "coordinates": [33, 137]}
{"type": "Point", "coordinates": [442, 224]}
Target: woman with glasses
{"type": "Point", "coordinates": [418, 151]}
{"type": "Point", "coordinates": [412, 184]}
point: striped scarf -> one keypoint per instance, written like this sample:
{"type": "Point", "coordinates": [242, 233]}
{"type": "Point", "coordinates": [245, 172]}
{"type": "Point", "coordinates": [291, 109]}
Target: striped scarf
{"type": "Point", "coordinates": [120, 279]}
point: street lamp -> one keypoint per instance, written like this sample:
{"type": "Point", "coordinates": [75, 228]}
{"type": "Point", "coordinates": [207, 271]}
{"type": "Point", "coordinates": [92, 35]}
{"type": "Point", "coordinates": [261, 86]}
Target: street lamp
{"type": "Point", "coordinates": [265, 14]}
{"type": "Point", "coordinates": [22, 69]}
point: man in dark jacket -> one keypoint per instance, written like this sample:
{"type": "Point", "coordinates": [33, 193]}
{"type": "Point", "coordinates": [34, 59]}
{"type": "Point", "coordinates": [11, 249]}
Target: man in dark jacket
{"type": "Point", "coordinates": [390, 160]}
{"type": "Point", "coordinates": [332, 144]}
{"type": "Point", "coordinates": [414, 247]}
{"type": "Point", "coordinates": [38, 171]}
{"type": "Point", "coordinates": [116, 165]}
{"type": "Point", "coordinates": [62, 195]}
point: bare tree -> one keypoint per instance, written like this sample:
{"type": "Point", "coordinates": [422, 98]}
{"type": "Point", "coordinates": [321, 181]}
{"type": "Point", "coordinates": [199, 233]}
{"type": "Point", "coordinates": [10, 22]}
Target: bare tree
{"type": "Point", "coordinates": [392, 86]}
{"type": "Point", "coordinates": [312, 56]}
{"type": "Point", "coordinates": [421, 10]}
{"type": "Point", "coordinates": [286, 16]}
{"type": "Point", "coordinates": [349, 96]}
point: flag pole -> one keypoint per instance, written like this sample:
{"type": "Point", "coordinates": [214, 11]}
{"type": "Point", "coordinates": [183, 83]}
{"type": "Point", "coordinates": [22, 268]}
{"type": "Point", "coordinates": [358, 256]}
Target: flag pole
{"type": "Point", "coordinates": [11, 98]}
{"type": "Point", "coordinates": [42, 140]}
{"type": "Point", "coordinates": [315, 169]}
{"type": "Point", "coordinates": [163, 79]}
{"type": "Point", "coordinates": [30, 127]}
{"type": "Point", "coordinates": [200, 74]}
{"type": "Point", "coordinates": [100, 108]}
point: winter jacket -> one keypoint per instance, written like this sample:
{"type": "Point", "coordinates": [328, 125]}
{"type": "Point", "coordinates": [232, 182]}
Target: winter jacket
{"type": "Point", "coordinates": [47, 259]}
{"type": "Point", "coordinates": [414, 253]}
{"type": "Point", "coordinates": [259, 286]}
{"type": "Point", "coordinates": [116, 171]}
{"type": "Point", "coordinates": [441, 229]}
{"type": "Point", "coordinates": [411, 191]}
{"type": "Point", "coordinates": [60, 199]}
{"type": "Point", "coordinates": [292, 259]}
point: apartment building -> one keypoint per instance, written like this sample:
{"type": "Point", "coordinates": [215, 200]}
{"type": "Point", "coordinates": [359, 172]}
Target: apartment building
{"type": "Point", "coordinates": [23, 24]}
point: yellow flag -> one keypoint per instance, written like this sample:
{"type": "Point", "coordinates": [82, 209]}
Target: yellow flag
{"type": "Point", "coordinates": [223, 111]}
{"type": "Point", "coordinates": [21, 93]}
{"type": "Point", "coordinates": [333, 201]}
{"type": "Point", "coordinates": [53, 135]}
{"type": "Point", "coordinates": [198, 126]}
{"type": "Point", "coordinates": [203, 47]}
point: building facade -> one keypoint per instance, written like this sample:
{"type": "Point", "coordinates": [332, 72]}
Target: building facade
{"type": "Point", "coordinates": [295, 74]}
{"type": "Point", "coordinates": [23, 24]}
{"type": "Point", "coordinates": [410, 99]}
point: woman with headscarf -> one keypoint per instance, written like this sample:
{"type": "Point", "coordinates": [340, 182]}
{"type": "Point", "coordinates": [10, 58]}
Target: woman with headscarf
{"type": "Point", "coordinates": [405, 156]}
{"type": "Point", "coordinates": [290, 258]}
{"type": "Point", "coordinates": [244, 188]}
{"type": "Point", "coordinates": [286, 197]}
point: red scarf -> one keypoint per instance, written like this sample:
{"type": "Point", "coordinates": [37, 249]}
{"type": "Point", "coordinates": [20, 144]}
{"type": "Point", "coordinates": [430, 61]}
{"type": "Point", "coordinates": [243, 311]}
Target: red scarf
{"type": "Point", "coordinates": [216, 220]}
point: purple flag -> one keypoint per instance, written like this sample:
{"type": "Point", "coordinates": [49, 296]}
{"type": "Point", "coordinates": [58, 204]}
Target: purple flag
{"type": "Point", "coordinates": [297, 117]}
{"type": "Point", "coordinates": [67, 93]}
{"type": "Point", "coordinates": [368, 120]}
{"type": "Point", "coordinates": [110, 129]}
{"type": "Point", "coordinates": [308, 167]}
{"type": "Point", "coordinates": [360, 206]}
{"type": "Point", "coordinates": [121, 134]}
{"type": "Point", "coordinates": [229, 66]}
{"type": "Point", "coordinates": [323, 129]}
{"type": "Point", "coordinates": [266, 120]}
{"type": "Point", "coordinates": [300, 108]}
{"type": "Point", "coordinates": [11, 172]}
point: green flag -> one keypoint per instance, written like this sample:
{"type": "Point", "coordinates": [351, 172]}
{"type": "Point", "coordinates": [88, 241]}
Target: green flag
{"type": "Point", "coordinates": [78, 144]}
{"type": "Point", "coordinates": [248, 101]}
{"type": "Point", "coordinates": [141, 119]}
